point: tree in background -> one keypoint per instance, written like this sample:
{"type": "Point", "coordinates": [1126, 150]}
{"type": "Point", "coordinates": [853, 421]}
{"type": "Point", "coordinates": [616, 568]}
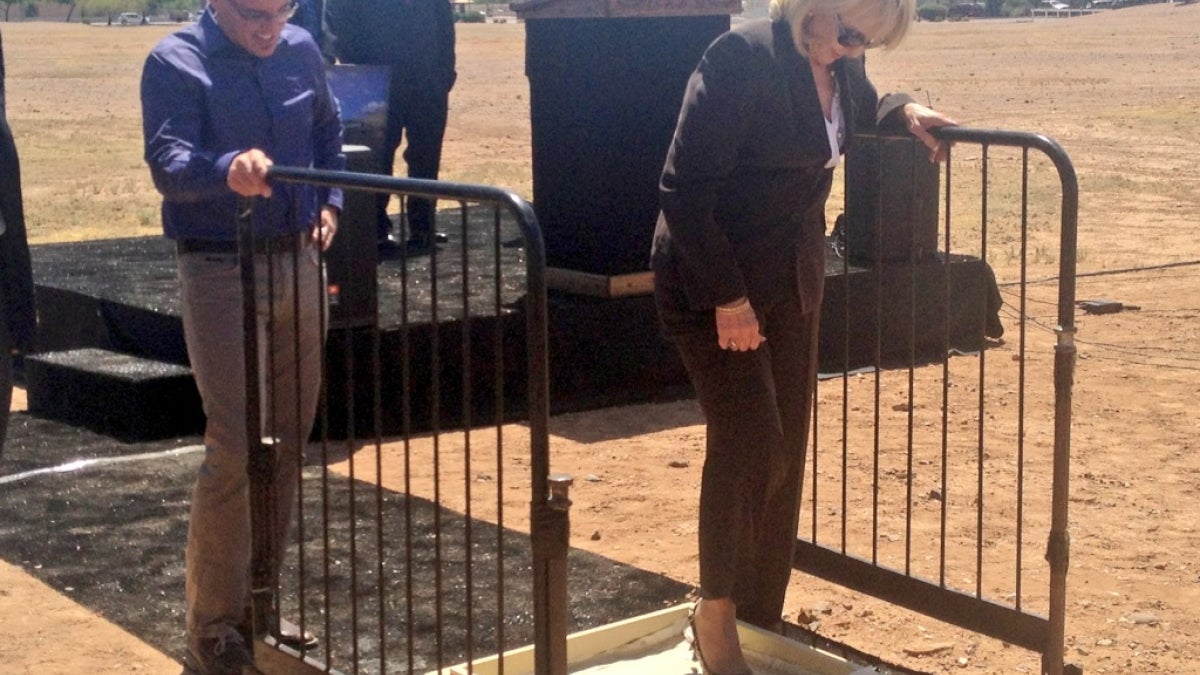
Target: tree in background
{"type": "Point", "coordinates": [147, 8]}
{"type": "Point", "coordinates": [71, 10]}
{"type": "Point", "coordinates": [22, 4]}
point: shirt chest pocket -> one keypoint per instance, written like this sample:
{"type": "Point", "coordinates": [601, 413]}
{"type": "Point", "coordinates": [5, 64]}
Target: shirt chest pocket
{"type": "Point", "coordinates": [293, 118]}
{"type": "Point", "coordinates": [265, 111]}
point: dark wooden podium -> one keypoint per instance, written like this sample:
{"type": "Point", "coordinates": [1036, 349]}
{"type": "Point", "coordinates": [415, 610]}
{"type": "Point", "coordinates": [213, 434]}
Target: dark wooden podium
{"type": "Point", "coordinates": [606, 79]}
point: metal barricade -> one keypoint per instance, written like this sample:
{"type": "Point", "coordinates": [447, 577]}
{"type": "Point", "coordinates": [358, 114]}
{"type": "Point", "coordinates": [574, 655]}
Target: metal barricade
{"type": "Point", "coordinates": [891, 441]}
{"type": "Point", "coordinates": [405, 554]}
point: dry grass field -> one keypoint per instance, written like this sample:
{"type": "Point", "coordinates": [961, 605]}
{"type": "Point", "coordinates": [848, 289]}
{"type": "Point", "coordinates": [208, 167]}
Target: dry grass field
{"type": "Point", "coordinates": [1117, 90]}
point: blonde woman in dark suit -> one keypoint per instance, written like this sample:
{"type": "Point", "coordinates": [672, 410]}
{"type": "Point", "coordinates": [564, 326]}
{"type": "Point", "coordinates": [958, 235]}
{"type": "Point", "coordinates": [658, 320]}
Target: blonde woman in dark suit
{"type": "Point", "coordinates": [739, 260]}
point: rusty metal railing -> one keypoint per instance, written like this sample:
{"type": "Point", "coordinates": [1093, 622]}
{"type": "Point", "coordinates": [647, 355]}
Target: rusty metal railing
{"type": "Point", "coordinates": [405, 555]}
{"type": "Point", "coordinates": [926, 486]}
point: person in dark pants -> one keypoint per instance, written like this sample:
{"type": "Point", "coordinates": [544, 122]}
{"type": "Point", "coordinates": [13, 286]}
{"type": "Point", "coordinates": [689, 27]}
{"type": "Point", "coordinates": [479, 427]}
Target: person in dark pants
{"type": "Point", "coordinates": [739, 258]}
{"type": "Point", "coordinates": [415, 38]}
{"type": "Point", "coordinates": [18, 317]}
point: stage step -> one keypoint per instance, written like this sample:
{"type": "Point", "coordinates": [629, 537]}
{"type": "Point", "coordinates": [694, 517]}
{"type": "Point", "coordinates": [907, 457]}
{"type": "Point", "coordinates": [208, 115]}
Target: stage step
{"type": "Point", "coordinates": [124, 396]}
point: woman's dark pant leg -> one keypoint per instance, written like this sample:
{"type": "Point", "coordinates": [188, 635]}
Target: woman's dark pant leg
{"type": "Point", "coordinates": [744, 434]}
{"type": "Point", "coordinates": [792, 339]}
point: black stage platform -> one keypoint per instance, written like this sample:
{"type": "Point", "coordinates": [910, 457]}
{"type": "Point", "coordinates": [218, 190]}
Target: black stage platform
{"type": "Point", "coordinates": [120, 295]}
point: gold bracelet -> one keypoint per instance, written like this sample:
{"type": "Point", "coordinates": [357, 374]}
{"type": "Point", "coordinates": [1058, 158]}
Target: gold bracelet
{"type": "Point", "coordinates": [736, 309]}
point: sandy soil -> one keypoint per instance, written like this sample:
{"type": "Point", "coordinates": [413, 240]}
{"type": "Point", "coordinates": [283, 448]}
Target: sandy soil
{"type": "Point", "coordinates": [1117, 90]}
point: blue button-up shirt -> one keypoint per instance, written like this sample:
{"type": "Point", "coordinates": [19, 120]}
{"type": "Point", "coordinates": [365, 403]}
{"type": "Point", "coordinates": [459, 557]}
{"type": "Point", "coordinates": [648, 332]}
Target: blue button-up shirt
{"type": "Point", "coordinates": [205, 100]}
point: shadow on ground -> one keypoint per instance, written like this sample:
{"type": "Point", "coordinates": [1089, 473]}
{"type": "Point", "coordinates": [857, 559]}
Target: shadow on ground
{"type": "Point", "coordinates": [104, 523]}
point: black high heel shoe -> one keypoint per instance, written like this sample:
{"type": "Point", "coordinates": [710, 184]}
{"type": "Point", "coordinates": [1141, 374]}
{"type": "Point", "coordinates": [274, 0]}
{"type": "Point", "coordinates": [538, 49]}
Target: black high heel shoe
{"type": "Point", "coordinates": [693, 638]}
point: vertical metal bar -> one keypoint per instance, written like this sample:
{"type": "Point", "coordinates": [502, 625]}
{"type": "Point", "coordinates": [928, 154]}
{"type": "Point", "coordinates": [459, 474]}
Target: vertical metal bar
{"type": "Point", "coordinates": [845, 394]}
{"type": "Point", "coordinates": [259, 464]}
{"type": "Point", "coordinates": [843, 251]}
{"type": "Point", "coordinates": [876, 359]}
{"type": "Point", "coordinates": [499, 413]}
{"type": "Point", "coordinates": [550, 527]}
{"type": "Point", "coordinates": [380, 519]}
{"type": "Point", "coordinates": [268, 462]}
{"type": "Point", "coordinates": [406, 432]}
{"type": "Point", "coordinates": [350, 364]}
{"type": "Point", "coordinates": [376, 360]}
{"type": "Point", "coordinates": [277, 541]}
{"type": "Point", "coordinates": [1021, 360]}
{"type": "Point", "coordinates": [550, 568]}
{"type": "Point", "coordinates": [302, 534]}
{"type": "Point", "coordinates": [945, 431]}
{"type": "Point", "coordinates": [467, 423]}
{"type": "Point", "coordinates": [980, 454]}
{"type": "Point", "coordinates": [912, 358]}
{"type": "Point", "coordinates": [814, 436]}
{"type": "Point", "coordinates": [323, 431]}
{"type": "Point", "coordinates": [326, 559]}
{"type": "Point", "coordinates": [435, 402]}
{"type": "Point", "coordinates": [1058, 550]}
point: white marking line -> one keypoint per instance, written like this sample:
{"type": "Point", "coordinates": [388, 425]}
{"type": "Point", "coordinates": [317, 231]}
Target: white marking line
{"type": "Point", "coordinates": [80, 464]}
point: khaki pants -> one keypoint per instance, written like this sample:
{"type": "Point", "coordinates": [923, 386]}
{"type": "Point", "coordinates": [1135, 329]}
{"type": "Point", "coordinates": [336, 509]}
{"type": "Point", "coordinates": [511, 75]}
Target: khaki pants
{"type": "Point", "coordinates": [290, 341]}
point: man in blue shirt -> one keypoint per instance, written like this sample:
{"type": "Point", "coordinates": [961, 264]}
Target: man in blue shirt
{"type": "Point", "coordinates": [222, 100]}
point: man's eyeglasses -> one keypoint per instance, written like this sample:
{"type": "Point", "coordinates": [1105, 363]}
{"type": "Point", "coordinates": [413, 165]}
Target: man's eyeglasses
{"type": "Point", "coordinates": [257, 16]}
{"type": "Point", "coordinates": [851, 37]}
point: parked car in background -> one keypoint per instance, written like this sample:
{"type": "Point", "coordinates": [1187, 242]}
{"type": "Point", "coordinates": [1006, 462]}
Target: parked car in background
{"type": "Point", "coordinates": [1053, 4]}
{"type": "Point", "coordinates": [966, 10]}
{"type": "Point", "coordinates": [129, 18]}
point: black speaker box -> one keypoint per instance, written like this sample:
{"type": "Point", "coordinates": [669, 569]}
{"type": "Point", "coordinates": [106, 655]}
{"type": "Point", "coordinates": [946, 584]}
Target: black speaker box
{"type": "Point", "coordinates": [891, 200]}
{"type": "Point", "coordinates": [350, 262]}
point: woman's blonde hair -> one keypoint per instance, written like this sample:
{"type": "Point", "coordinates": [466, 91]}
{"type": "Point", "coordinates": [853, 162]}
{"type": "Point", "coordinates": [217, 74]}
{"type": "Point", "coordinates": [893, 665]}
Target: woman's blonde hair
{"type": "Point", "coordinates": [894, 16]}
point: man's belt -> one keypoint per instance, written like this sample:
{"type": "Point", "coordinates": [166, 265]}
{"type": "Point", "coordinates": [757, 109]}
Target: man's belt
{"type": "Point", "coordinates": [284, 243]}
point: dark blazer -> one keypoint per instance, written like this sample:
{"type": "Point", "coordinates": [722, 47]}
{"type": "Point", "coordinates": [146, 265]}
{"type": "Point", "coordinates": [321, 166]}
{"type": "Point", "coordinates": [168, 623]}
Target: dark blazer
{"type": "Point", "coordinates": [17, 314]}
{"type": "Point", "coordinates": [744, 187]}
{"type": "Point", "coordinates": [310, 15]}
{"type": "Point", "coordinates": [415, 37]}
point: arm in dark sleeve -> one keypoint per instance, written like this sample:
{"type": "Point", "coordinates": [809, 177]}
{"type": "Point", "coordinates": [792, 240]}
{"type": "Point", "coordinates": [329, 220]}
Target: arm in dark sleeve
{"type": "Point", "coordinates": [172, 125]}
{"type": "Point", "coordinates": [446, 59]}
{"type": "Point", "coordinates": [888, 117]}
{"type": "Point", "coordinates": [17, 307]}
{"type": "Point", "coordinates": [703, 155]}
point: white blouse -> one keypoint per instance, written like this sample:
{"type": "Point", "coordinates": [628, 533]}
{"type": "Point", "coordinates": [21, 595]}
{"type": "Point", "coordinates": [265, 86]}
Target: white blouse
{"type": "Point", "coordinates": [835, 129]}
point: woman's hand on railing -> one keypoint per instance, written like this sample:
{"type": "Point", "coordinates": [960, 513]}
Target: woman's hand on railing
{"type": "Point", "coordinates": [919, 120]}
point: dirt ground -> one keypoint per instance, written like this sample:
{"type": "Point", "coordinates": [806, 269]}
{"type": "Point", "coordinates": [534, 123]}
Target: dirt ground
{"type": "Point", "coordinates": [1117, 90]}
